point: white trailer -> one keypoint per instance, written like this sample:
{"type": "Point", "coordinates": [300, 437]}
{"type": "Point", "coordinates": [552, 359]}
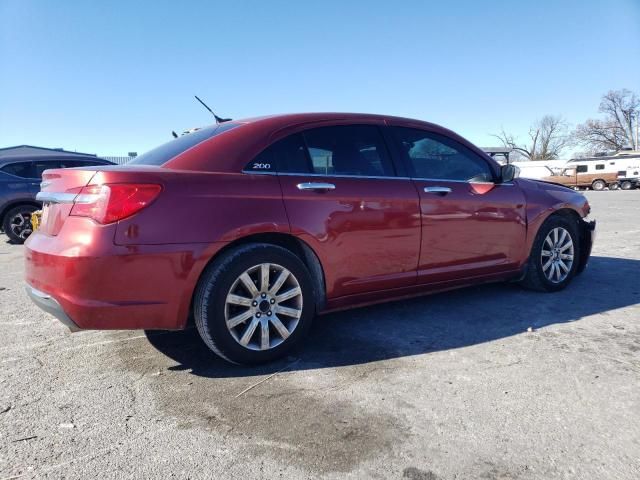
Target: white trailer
{"type": "Point", "coordinates": [626, 166]}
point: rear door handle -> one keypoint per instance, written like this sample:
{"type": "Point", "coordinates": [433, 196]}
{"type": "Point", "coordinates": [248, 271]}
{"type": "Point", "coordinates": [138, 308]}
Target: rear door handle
{"type": "Point", "coordinates": [437, 190]}
{"type": "Point", "coordinates": [317, 186]}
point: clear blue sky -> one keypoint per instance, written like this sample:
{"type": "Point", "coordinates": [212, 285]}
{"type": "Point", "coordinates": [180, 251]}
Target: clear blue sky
{"type": "Point", "coordinates": [116, 76]}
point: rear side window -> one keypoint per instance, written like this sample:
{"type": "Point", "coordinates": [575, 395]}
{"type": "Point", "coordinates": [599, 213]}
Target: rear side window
{"type": "Point", "coordinates": [437, 157]}
{"type": "Point", "coordinates": [39, 167]}
{"type": "Point", "coordinates": [357, 150]}
{"type": "Point", "coordinates": [286, 155]}
{"type": "Point", "coordinates": [89, 163]}
{"type": "Point", "coordinates": [600, 167]}
{"type": "Point", "coordinates": [19, 169]}
{"type": "Point", "coordinates": [165, 152]}
{"type": "Point", "coordinates": [581, 169]}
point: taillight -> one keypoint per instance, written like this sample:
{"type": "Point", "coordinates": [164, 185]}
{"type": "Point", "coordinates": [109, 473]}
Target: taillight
{"type": "Point", "coordinates": [109, 203]}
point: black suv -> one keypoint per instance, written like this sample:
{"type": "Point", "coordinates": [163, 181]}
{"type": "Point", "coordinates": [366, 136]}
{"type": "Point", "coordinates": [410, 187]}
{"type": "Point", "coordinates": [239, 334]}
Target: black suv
{"type": "Point", "coordinates": [20, 182]}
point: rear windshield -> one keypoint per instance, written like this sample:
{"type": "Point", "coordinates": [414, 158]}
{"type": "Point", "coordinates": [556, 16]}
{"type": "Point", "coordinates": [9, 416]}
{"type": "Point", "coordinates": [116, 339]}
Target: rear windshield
{"type": "Point", "coordinates": [165, 152]}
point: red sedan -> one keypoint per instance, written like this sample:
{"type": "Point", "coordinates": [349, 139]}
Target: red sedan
{"type": "Point", "coordinates": [253, 227]}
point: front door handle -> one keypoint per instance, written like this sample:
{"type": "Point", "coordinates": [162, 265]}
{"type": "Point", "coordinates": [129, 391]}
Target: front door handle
{"type": "Point", "coordinates": [437, 190]}
{"type": "Point", "coordinates": [317, 186]}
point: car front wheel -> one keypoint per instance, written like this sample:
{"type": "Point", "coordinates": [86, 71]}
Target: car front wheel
{"type": "Point", "coordinates": [254, 303]}
{"type": "Point", "coordinates": [554, 256]}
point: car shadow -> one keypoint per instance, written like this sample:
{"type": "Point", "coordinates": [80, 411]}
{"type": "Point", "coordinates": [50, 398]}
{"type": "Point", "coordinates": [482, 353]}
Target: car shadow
{"type": "Point", "coordinates": [432, 323]}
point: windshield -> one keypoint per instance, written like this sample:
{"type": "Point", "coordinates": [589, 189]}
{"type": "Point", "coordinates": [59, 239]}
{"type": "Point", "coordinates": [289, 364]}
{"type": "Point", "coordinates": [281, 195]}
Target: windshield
{"type": "Point", "coordinates": [165, 152]}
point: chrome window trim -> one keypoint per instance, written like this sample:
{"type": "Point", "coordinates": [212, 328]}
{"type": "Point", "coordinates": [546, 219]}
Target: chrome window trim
{"type": "Point", "coordinates": [459, 181]}
{"type": "Point", "coordinates": [288, 174]}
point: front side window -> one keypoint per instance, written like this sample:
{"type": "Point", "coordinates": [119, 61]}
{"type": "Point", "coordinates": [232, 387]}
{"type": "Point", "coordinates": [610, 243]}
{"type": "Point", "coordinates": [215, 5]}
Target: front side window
{"type": "Point", "coordinates": [19, 169]}
{"type": "Point", "coordinates": [437, 157]}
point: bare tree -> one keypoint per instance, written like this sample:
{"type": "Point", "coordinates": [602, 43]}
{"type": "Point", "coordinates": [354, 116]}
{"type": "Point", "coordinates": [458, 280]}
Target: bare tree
{"type": "Point", "coordinates": [616, 130]}
{"type": "Point", "coordinates": [548, 138]}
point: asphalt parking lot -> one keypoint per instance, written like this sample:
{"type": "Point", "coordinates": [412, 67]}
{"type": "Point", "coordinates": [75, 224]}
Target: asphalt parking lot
{"type": "Point", "coordinates": [451, 386]}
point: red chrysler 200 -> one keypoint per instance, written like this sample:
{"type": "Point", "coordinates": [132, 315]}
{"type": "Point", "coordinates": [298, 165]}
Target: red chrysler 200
{"type": "Point", "coordinates": [253, 227]}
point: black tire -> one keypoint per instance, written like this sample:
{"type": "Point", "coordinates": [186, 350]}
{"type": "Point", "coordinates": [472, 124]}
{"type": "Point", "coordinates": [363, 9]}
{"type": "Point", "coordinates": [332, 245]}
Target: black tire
{"type": "Point", "coordinates": [216, 282]}
{"type": "Point", "coordinates": [598, 185]}
{"type": "Point", "coordinates": [15, 234]}
{"type": "Point", "coordinates": [535, 278]}
{"type": "Point", "coordinates": [613, 186]}
{"type": "Point", "coordinates": [626, 185]}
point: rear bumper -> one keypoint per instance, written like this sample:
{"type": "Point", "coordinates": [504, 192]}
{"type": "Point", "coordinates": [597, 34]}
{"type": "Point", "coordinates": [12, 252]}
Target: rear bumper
{"type": "Point", "coordinates": [50, 305]}
{"type": "Point", "coordinates": [87, 282]}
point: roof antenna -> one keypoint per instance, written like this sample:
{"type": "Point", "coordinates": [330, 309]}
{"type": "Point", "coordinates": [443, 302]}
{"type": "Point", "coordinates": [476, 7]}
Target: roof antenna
{"type": "Point", "coordinates": [218, 119]}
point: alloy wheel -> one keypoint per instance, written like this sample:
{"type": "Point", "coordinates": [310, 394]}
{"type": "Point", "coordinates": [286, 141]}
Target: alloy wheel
{"type": "Point", "coordinates": [557, 255]}
{"type": "Point", "coordinates": [20, 225]}
{"type": "Point", "coordinates": [263, 306]}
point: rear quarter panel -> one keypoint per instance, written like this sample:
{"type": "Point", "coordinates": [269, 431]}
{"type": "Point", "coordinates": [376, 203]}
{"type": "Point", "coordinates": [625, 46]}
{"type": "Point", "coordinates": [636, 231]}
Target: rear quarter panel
{"type": "Point", "coordinates": [204, 208]}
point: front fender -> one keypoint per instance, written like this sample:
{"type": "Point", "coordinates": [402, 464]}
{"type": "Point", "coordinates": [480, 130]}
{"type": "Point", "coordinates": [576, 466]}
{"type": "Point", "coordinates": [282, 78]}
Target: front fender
{"type": "Point", "coordinates": [543, 200]}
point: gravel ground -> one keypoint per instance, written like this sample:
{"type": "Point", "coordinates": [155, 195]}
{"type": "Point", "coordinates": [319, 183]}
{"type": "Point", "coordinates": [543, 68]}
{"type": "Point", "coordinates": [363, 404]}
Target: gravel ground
{"type": "Point", "coordinates": [451, 386]}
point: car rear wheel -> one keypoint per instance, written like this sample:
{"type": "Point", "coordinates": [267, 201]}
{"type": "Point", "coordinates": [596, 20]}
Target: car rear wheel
{"type": "Point", "coordinates": [598, 185]}
{"type": "Point", "coordinates": [17, 223]}
{"type": "Point", "coordinates": [254, 304]}
{"type": "Point", "coordinates": [554, 256]}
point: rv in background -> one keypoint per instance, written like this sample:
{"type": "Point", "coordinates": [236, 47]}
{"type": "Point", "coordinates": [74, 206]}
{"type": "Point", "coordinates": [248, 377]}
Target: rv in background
{"type": "Point", "coordinates": [585, 174]}
{"type": "Point", "coordinates": [626, 165]}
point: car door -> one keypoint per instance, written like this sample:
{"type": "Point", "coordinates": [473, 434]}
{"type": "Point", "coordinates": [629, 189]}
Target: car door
{"type": "Point", "coordinates": [344, 199]}
{"type": "Point", "coordinates": [471, 225]}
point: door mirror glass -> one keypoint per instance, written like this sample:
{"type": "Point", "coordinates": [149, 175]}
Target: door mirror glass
{"type": "Point", "coordinates": [509, 172]}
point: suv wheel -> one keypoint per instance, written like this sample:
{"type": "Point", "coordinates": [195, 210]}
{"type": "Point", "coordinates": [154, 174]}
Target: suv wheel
{"type": "Point", "coordinates": [554, 256]}
{"type": "Point", "coordinates": [17, 223]}
{"type": "Point", "coordinates": [254, 304]}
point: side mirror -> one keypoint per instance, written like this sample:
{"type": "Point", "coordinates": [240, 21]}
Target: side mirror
{"type": "Point", "coordinates": [509, 172]}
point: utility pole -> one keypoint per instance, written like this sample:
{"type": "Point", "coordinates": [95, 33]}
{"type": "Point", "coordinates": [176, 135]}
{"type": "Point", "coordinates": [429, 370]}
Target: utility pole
{"type": "Point", "coordinates": [637, 128]}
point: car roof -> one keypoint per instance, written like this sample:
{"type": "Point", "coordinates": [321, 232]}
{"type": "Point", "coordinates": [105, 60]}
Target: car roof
{"type": "Point", "coordinates": [236, 146]}
{"type": "Point", "coordinates": [291, 119]}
